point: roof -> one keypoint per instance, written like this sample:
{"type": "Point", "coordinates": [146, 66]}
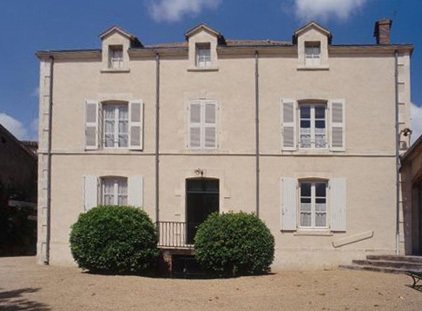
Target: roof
{"type": "Point", "coordinates": [123, 32]}
{"type": "Point", "coordinates": [229, 42]}
{"type": "Point", "coordinates": [5, 132]}
{"type": "Point", "coordinates": [202, 26]}
{"type": "Point", "coordinates": [415, 148]}
{"type": "Point", "coordinates": [312, 24]}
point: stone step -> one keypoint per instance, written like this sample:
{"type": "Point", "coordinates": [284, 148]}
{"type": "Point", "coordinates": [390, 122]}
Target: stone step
{"type": "Point", "coordinates": [415, 259]}
{"type": "Point", "coordinates": [373, 268]}
{"type": "Point", "coordinates": [405, 265]}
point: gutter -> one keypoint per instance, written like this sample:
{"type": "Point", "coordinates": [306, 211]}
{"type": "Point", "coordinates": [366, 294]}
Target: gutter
{"type": "Point", "coordinates": [50, 122]}
{"type": "Point", "coordinates": [396, 81]}
{"type": "Point", "coordinates": [157, 140]}
{"type": "Point", "coordinates": [257, 172]}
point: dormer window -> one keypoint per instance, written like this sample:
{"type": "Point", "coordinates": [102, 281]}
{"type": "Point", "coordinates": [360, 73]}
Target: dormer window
{"type": "Point", "coordinates": [312, 53]}
{"type": "Point", "coordinates": [203, 55]}
{"type": "Point", "coordinates": [115, 57]}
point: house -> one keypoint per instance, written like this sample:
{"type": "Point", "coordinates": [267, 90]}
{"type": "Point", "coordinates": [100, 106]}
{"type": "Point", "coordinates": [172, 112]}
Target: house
{"type": "Point", "coordinates": [302, 133]}
{"type": "Point", "coordinates": [411, 172]}
{"type": "Point", "coordinates": [18, 196]}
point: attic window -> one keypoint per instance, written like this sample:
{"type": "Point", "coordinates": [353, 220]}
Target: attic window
{"type": "Point", "coordinates": [203, 55]}
{"type": "Point", "coordinates": [115, 55]}
{"type": "Point", "coordinates": [312, 53]}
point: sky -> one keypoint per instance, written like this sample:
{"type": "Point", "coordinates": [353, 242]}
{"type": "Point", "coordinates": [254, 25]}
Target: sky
{"type": "Point", "coordinates": [28, 26]}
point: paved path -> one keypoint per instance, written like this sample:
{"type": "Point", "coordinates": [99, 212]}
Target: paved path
{"type": "Point", "coordinates": [27, 286]}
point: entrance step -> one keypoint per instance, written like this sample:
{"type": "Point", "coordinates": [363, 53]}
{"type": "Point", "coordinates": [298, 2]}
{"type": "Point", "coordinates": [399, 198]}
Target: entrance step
{"type": "Point", "coordinates": [387, 264]}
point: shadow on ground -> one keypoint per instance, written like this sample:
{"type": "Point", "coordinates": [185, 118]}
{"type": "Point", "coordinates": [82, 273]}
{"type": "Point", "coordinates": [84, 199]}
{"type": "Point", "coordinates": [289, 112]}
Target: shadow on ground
{"type": "Point", "coordinates": [15, 300]}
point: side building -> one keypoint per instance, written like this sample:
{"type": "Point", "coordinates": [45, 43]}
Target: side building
{"type": "Point", "coordinates": [301, 133]}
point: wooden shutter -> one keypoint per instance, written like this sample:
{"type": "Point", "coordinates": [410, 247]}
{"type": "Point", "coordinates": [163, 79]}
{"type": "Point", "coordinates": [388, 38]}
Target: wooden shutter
{"type": "Point", "coordinates": [91, 125]}
{"type": "Point", "coordinates": [288, 128]}
{"type": "Point", "coordinates": [288, 204]}
{"type": "Point", "coordinates": [210, 124]}
{"type": "Point", "coordinates": [195, 124]}
{"type": "Point", "coordinates": [337, 135]}
{"type": "Point", "coordinates": [338, 204]}
{"type": "Point", "coordinates": [90, 192]}
{"type": "Point", "coordinates": [135, 191]}
{"type": "Point", "coordinates": [135, 125]}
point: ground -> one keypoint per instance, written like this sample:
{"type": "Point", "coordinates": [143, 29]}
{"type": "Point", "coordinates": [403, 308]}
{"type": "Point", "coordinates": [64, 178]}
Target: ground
{"type": "Point", "coordinates": [24, 285]}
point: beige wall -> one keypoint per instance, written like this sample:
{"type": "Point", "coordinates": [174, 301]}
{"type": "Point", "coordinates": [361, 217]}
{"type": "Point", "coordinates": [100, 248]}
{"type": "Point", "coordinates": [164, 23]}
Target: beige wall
{"type": "Point", "coordinates": [364, 81]}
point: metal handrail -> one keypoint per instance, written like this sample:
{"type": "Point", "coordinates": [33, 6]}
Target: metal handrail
{"type": "Point", "coordinates": [175, 234]}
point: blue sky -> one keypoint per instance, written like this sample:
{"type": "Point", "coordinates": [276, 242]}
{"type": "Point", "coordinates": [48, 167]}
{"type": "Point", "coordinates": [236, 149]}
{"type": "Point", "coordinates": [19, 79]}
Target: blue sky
{"type": "Point", "coordinates": [31, 25]}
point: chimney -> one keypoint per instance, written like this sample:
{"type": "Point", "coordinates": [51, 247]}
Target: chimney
{"type": "Point", "coordinates": [382, 31]}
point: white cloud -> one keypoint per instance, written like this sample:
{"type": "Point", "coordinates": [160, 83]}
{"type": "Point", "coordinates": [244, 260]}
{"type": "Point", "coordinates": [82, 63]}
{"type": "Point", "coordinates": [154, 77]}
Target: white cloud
{"type": "Point", "coordinates": [416, 121]}
{"type": "Point", "coordinates": [175, 10]}
{"type": "Point", "coordinates": [325, 9]}
{"type": "Point", "coordinates": [13, 126]}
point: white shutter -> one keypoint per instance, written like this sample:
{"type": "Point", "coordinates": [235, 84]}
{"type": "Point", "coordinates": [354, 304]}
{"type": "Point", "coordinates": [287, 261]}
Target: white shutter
{"type": "Point", "coordinates": [91, 125]}
{"type": "Point", "coordinates": [135, 191]}
{"type": "Point", "coordinates": [195, 124]}
{"type": "Point", "coordinates": [337, 134]}
{"type": "Point", "coordinates": [338, 204]}
{"type": "Point", "coordinates": [90, 192]}
{"type": "Point", "coordinates": [288, 121]}
{"type": "Point", "coordinates": [288, 204]}
{"type": "Point", "coordinates": [209, 124]}
{"type": "Point", "coordinates": [136, 125]}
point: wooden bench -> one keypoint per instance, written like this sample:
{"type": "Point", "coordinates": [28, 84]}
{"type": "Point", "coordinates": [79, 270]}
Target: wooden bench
{"type": "Point", "coordinates": [416, 276]}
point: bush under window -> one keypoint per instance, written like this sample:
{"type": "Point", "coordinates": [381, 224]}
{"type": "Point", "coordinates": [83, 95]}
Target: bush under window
{"type": "Point", "coordinates": [234, 244]}
{"type": "Point", "coordinates": [114, 239]}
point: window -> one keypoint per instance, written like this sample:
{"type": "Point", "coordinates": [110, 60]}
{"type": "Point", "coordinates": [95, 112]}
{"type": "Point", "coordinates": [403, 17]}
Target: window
{"type": "Point", "coordinates": [202, 124]}
{"type": "Point", "coordinates": [114, 191]}
{"type": "Point", "coordinates": [304, 204]}
{"type": "Point", "coordinates": [313, 126]}
{"type": "Point", "coordinates": [313, 205]}
{"type": "Point", "coordinates": [203, 55]}
{"type": "Point", "coordinates": [312, 53]}
{"type": "Point", "coordinates": [116, 126]}
{"type": "Point", "coordinates": [115, 55]}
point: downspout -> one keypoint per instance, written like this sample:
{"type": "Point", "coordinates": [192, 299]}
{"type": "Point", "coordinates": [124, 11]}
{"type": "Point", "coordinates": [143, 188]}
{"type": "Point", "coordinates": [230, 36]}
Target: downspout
{"type": "Point", "coordinates": [396, 80]}
{"type": "Point", "coordinates": [157, 140]}
{"type": "Point", "coordinates": [257, 130]}
{"type": "Point", "coordinates": [50, 122]}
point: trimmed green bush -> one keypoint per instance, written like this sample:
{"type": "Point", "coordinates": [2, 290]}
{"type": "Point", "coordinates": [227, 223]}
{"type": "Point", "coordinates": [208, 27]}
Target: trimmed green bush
{"type": "Point", "coordinates": [234, 244]}
{"type": "Point", "coordinates": [114, 239]}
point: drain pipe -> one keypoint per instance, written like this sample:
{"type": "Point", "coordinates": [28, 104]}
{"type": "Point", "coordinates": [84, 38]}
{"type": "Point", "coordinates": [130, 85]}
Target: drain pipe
{"type": "Point", "coordinates": [157, 140]}
{"type": "Point", "coordinates": [50, 122]}
{"type": "Point", "coordinates": [396, 80]}
{"type": "Point", "coordinates": [257, 130]}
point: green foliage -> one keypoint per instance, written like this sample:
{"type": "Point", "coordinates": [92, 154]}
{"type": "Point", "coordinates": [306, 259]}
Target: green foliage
{"type": "Point", "coordinates": [114, 239]}
{"type": "Point", "coordinates": [234, 244]}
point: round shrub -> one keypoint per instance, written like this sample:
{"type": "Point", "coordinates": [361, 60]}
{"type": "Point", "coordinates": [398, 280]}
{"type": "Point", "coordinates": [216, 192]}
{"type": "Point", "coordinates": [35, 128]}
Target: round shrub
{"type": "Point", "coordinates": [234, 244]}
{"type": "Point", "coordinates": [114, 239]}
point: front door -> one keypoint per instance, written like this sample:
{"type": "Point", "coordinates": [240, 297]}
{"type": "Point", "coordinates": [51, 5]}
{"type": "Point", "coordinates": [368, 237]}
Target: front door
{"type": "Point", "coordinates": [202, 199]}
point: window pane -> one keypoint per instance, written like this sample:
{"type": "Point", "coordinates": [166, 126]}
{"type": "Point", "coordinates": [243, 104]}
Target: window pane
{"type": "Point", "coordinates": [321, 220]}
{"type": "Point", "coordinates": [320, 189]}
{"type": "Point", "coordinates": [305, 112]}
{"type": "Point", "coordinates": [320, 112]}
{"type": "Point", "coordinates": [305, 219]}
{"type": "Point", "coordinates": [305, 124]}
{"type": "Point", "coordinates": [305, 189]}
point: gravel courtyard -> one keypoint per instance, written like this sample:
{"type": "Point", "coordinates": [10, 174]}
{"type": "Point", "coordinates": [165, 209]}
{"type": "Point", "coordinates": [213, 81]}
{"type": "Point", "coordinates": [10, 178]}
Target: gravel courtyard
{"type": "Point", "coordinates": [24, 285]}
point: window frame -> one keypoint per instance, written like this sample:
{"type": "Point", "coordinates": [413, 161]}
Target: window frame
{"type": "Point", "coordinates": [112, 49]}
{"type": "Point", "coordinates": [117, 186]}
{"type": "Point", "coordinates": [207, 61]}
{"type": "Point", "coordinates": [312, 120]}
{"type": "Point", "coordinates": [313, 211]}
{"type": "Point", "coordinates": [312, 59]}
{"type": "Point", "coordinates": [116, 120]}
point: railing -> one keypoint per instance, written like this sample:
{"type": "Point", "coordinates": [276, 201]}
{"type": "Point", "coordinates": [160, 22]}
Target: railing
{"type": "Point", "coordinates": [174, 234]}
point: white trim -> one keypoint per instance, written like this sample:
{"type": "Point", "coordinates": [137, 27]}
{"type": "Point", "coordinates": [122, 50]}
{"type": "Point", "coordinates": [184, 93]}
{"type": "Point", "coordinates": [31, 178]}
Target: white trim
{"type": "Point", "coordinates": [136, 124]}
{"type": "Point", "coordinates": [341, 125]}
{"type": "Point", "coordinates": [91, 124]}
{"type": "Point", "coordinates": [284, 124]}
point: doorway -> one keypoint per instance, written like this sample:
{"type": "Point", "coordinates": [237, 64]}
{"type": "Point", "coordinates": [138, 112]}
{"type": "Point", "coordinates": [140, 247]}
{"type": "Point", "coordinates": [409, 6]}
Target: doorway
{"type": "Point", "coordinates": [202, 199]}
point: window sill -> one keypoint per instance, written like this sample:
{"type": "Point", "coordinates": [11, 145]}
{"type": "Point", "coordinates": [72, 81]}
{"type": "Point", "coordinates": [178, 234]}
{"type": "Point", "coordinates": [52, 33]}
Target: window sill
{"type": "Point", "coordinates": [313, 68]}
{"type": "Point", "coordinates": [108, 70]}
{"type": "Point", "coordinates": [312, 151]}
{"type": "Point", "coordinates": [114, 151]}
{"type": "Point", "coordinates": [310, 232]}
{"type": "Point", "coordinates": [199, 69]}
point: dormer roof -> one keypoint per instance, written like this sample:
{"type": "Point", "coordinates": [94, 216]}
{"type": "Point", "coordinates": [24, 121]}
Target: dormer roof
{"type": "Point", "coordinates": [313, 25]}
{"type": "Point", "coordinates": [204, 27]}
{"type": "Point", "coordinates": [133, 39]}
